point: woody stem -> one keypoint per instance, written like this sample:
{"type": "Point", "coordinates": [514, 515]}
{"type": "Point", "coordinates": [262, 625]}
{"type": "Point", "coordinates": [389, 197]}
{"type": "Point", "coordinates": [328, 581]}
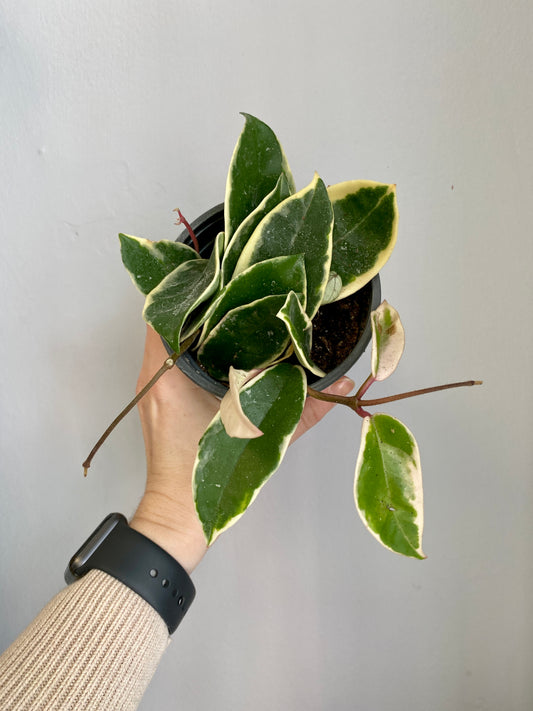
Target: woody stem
{"type": "Point", "coordinates": [414, 393]}
{"type": "Point", "coordinates": [167, 365]}
{"type": "Point", "coordinates": [353, 401]}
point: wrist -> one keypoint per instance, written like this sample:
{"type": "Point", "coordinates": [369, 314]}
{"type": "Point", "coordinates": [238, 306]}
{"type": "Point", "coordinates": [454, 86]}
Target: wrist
{"type": "Point", "coordinates": [175, 527]}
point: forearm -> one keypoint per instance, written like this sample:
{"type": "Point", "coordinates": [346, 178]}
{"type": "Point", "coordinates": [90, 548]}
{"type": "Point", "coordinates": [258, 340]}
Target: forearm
{"type": "Point", "coordinates": [95, 646]}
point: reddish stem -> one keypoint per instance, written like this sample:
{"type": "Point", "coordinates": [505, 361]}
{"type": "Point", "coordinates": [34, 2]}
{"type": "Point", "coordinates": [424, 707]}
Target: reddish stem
{"type": "Point", "coordinates": [364, 387]}
{"type": "Point", "coordinates": [362, 413]}
{"type": "Point", "coordinates": [182, 221]}
{"type": "Point", "coordinates": [349, 400]}
{"type": "Point", "coordinates": [414, 393]}
{"type": "Point", "coordinates": [353, 401]}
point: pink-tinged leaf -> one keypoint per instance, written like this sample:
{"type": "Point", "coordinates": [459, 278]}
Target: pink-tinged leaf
{"type": "Point", "coordinates": [388, 340]}
{"type": "Point", "coordinates": [235, 422]}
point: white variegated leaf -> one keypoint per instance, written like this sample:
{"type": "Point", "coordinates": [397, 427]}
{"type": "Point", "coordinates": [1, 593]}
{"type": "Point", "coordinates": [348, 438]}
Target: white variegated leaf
{"type": "Point", "coordinates": [388, 340]}
{"type": "Point", "coordinates": [229, 472]}
{"type": "Point", "coordinates": [300, 328]}
{"type": "Point", "coordinates": [235, 422]}
{"type": "Point", "coordinates": [150, 262]}
{"type": "Point", "coordinates": [388, 485]}
{"type": "Point", "coordinates": [301, 224]}
{"type": "Point", "coordinates": [257, 162]}
{"type": "Point", "coordinates": [180, 292]}
{"type": "Point", "coordinates": [249, 336]}
{"type": "Point", "coordinates": [364, 235]}
{"type": "Point", "coordinates": [233, 250]}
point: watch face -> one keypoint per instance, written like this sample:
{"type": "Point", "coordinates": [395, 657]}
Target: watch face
{"type": "Point", "coordinates": [77, 566]}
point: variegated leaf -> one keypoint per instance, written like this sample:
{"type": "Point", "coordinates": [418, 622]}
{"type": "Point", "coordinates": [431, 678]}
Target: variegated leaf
{"type": "Point", "coordinates": [364, 235]}
{"type": "Point", "coordinates": [248, 225]}
{"type": "Point", "coordinates": [388, 340]}
{"type": "Point", "coordinates": [168, 305]}
{"type": "Point", "coordinates": [388, 485]}
{"type": "Point", "coordinates": [235, 422]}
{"type": "Point", "coordinates": [271, 277]}
{"type": "Point", "coordinates": [300, 329]}
{"type": "Point", "coordinates": [248, 337]}
{"type": "Point", "coordinates": [229, 472]}
{"type": "Point", "coordinates": [301, 224]}
{"type": "Point", "coordinates": [257, 162]}
{"type": "Point", "coordinates": [149, 262]}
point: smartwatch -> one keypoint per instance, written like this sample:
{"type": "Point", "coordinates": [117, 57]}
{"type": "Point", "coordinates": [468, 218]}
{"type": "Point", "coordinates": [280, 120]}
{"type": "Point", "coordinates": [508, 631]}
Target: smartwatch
{"type": "Point", "coordinates": [140, 564]}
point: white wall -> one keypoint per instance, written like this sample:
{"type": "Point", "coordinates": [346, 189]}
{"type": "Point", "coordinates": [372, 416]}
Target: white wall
{"type": "Point", "coordinates": [112, 114]}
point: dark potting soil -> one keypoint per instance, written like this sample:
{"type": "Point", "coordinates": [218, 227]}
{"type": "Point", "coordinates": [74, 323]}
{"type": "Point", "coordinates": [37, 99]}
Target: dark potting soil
{"type": "Point", "coordinates": [337, 327]}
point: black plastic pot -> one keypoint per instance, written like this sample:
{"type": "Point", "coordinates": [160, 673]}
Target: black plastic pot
{"type": "Point", "coordinates": [206, 228]}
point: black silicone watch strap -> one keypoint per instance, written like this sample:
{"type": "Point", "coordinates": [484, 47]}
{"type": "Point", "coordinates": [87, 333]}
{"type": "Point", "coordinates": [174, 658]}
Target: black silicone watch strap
{"type": "Point", "coordinates": [144, 567]}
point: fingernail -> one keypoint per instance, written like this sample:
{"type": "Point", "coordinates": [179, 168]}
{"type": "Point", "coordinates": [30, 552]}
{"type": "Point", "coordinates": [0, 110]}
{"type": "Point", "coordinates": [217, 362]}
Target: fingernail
{"type": "Point", "coordinates": [342, 386]}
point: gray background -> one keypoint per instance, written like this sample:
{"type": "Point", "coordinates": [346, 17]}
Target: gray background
{"type": "Point", "coordinates": [112, 114]}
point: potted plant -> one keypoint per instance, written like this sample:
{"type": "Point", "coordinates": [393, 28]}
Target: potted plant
{"type": "Point", "coordinates": [244, 312]}
{"type": "Point", "coordinates": [341, 329]}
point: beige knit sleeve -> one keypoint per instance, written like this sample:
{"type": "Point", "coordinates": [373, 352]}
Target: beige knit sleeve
{"type": "Point", "coordinates": [95, 646]}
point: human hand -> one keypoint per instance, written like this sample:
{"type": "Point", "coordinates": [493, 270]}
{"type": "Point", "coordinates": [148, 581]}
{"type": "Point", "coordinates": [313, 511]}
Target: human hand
{"type": "Point", "coordinates": [174, 415]}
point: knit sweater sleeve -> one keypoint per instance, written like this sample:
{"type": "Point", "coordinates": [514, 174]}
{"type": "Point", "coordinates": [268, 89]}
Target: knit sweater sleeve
{"type": "Point", "coordinates": [95, 646]}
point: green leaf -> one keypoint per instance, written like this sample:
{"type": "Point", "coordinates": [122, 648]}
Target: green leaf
{"type": "Point", "coordinates": [388, 485]}
{"type": "Point", "coordinates": [364, 235]}
{"type": "Point", "coordinates": [388, 340]}
{"type": "Point", "coordinates": [273, 276]}
{"type": "Point", "coordinates": [301, 224]}
{"type": "Point", "coordinates": [257, 162]}
{"type": "Point", "coordinates": [248, 337]}
{"type": "Point", "coordinates": [168, 305]}
{"type": "Point", "coordinates": [149, 262]}
{"type": "Point", "coordinates": [300, 330]}
{"type": "Point", "coordinates": [229, 472]}
{"type": "Point", "coordinates": [243, 233]}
